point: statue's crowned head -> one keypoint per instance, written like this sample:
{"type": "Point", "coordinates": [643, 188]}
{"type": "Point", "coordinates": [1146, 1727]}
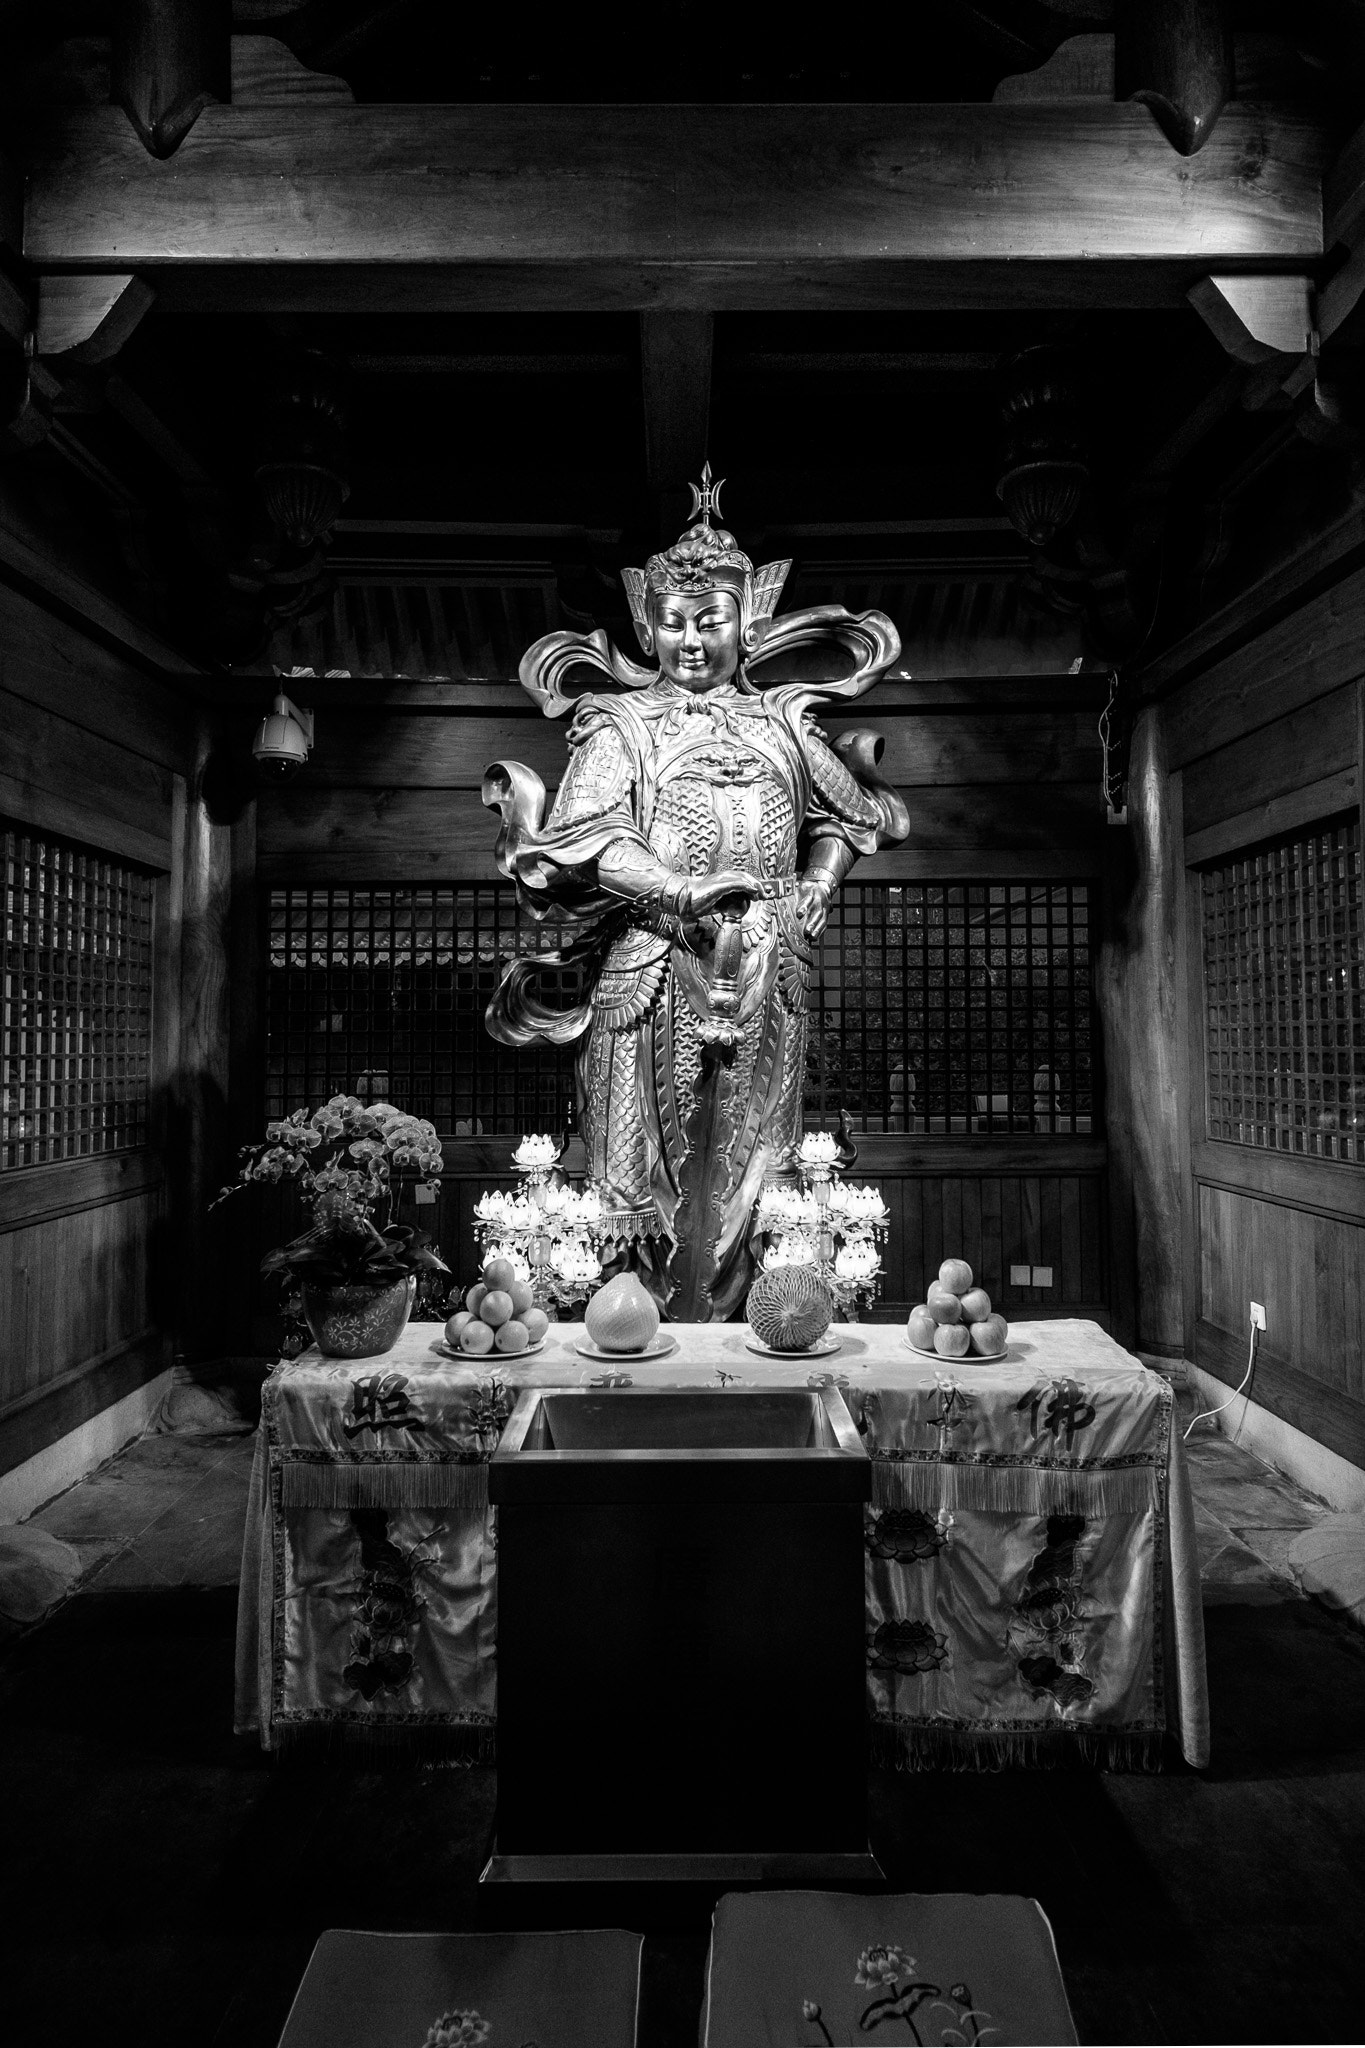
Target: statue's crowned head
{"type": "Point", "coordinates": [703, 560]}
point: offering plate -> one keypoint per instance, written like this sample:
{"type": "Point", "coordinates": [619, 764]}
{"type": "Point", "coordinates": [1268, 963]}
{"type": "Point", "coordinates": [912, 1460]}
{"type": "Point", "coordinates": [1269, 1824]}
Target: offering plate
{"type": "Point", "coordinates": [824, 1347]}
{"type": "Point", "coordinates": [454, 1351]}
{"type": "Point", "coordinates": [658, 1347]}
{"type": "Point", "coordinates": [966, 1358]}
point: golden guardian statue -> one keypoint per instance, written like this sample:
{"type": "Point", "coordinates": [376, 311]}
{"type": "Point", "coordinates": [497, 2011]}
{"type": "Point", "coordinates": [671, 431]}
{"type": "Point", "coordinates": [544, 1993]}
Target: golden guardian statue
{"type": "Point", "coordinates": [703, 824]}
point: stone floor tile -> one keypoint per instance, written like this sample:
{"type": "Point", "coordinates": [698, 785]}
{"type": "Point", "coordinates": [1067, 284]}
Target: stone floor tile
{"type": "Point", "coordinates": [1209, 1447]}
{"type": "Point", "coordinates": [1254, 1503]}
{"type": "Point", "coordinates": [114, 1502]}
{"type": "Point", "coordinates": [130, 1571]}
{"type": "Point", "coordinates": [1330, 1562]}
{"type": "Point", "coordinates": [1236, 1574]}
{"type": "Point", "coordinates": [1271, 1545]}
{"type": "Point", "coordinates": [198, 1541]}
{"type": "Point", "coordinates": [191, 1454]}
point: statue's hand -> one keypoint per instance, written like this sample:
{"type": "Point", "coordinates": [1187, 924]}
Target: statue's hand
{"type": "Point", "coordinates": [812, 903]}
{"type": "Point", "coordinates": [728, 893]}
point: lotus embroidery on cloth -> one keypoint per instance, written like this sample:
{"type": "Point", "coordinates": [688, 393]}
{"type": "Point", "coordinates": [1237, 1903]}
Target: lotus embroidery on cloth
{"type": "Point", "coordinates": [928, 2014]}
{"type": "Point", "coordinates": [907, 1647]}
{"type": "Point", "coordinates": [908, 1534]}
{"type": "Point", "coordinates": [1046, 1630]}
{"type": "Point", "coordinates": [458, 2030]}
{"type": "Point", "coordinates": [386, 1612]}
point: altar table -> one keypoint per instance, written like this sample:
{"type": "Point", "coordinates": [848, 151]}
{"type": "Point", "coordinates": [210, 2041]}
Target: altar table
{"type": "Point", "coordinates": [1032, 1584]}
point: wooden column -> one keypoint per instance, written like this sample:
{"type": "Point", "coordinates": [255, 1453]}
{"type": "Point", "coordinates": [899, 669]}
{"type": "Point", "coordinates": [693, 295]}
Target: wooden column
{"type": "Point", "coordinates": [199, 1148]}
{"type": "Point", "coordinates": [1138, 985]}
{"type": "Point", "coordinates": [675, 367]}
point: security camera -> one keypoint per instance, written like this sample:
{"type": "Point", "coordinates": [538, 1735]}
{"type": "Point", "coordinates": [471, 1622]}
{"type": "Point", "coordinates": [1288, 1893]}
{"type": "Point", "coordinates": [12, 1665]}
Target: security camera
{"type": "Point", "coordinates": [282, 743]}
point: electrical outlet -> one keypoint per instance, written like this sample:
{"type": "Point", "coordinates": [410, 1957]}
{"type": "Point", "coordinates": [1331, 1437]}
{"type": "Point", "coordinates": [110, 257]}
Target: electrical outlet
{"type": "Point", "coordinates": [1021, 1276]}
{"type": "Point", "coordinates": [1257, 1316]}
{"type": "Point", "coordinates": [1042, 1276]}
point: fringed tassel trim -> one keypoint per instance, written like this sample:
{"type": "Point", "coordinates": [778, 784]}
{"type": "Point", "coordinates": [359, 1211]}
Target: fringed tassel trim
{"type": "Point", "coordinates": [630, 1226]}
{"type": "Point", "coordinates": [926, 1748]}
{"type": "Point", "coordinates": [1012, 1489]}
{"type": "Point", "coordinates": [463, 1484]}
{"type": "Point", "coordinates": [383, 1742]}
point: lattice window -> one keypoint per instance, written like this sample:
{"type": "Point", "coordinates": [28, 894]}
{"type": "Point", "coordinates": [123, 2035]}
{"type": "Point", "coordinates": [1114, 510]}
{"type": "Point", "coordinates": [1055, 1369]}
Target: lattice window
{"type": "Point", "coordinates": [381, 992]}
{"type": "Point", "coordinates": [1284, 1029]}
{"type": "Point", "coordinates": [76, 1015]}
{"type": "Point", "coordinates": [936, 1007]}
{"type": "Point", "coordinates": [954, 1007]}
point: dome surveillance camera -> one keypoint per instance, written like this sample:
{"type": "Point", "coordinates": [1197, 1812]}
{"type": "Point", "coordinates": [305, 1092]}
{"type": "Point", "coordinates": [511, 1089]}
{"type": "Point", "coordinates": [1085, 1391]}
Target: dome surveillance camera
{"type": "Point", "coordinates": [282, 744]}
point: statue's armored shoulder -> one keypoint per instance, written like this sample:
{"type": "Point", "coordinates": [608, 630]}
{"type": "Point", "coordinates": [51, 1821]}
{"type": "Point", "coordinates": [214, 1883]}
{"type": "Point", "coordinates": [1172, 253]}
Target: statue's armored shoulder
{"type": "Point", "coordinates": [836, 784]}
{"type": "Point", "coordinates": [602, 763]}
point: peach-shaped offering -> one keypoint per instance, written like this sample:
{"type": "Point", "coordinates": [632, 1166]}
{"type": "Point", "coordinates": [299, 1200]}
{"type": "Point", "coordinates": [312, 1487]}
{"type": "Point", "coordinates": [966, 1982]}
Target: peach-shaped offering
{"type": "Point", "coordinates": [622, 1316]}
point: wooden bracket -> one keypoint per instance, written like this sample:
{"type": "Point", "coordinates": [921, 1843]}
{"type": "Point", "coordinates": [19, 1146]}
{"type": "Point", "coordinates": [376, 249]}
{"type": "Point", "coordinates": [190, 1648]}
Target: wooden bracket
{"type": "Point", "coordinates": [87, 318]}
{"type": "Point", "coordinates": [1257, 319]}
{"type": "Point", "coordinates": [1080, 68]}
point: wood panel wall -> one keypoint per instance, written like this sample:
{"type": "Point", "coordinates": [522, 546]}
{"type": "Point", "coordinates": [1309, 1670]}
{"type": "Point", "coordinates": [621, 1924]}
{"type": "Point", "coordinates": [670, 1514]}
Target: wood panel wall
{"type": "Point", "coordinates": [98, 749]}
{"type": "Point", "coordinates": [1263, 741]}
{"type": "Point", "coordinates": [993, 1219]}
{"type": "Point", "coordinates": [391, 792]}
{"type": "Point", "coordinates": [1002, 779]}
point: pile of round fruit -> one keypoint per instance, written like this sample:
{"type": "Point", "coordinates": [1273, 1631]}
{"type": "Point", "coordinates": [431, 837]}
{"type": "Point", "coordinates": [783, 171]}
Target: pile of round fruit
{"type": "Point", "coordinates": [957, 1320]}
{"type": "Point", "coordinates": [497, 1315]}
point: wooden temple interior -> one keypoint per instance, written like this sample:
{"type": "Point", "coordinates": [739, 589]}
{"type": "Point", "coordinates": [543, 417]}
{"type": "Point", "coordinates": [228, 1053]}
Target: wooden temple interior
{"type": "Point", "coordinates": [346, 349]}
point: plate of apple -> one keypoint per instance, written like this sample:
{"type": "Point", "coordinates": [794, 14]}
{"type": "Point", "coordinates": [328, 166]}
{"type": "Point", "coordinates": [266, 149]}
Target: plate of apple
{"type": "Point", "coordinates": [499, 1315]}
{"type": "Point", "coordinates": [956, 1319]}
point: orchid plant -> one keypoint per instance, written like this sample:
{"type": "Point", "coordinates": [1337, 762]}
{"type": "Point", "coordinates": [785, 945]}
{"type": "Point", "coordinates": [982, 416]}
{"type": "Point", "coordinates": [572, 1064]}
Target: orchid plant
{"type": "Point", "coordinates": [349, 1155]}
{"type": "Point", "coordinates": [350, 1161]}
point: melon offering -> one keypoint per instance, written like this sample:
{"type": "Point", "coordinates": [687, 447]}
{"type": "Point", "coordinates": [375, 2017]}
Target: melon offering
{"type": "Point", "coordinates": [622, 1317]}
{"type": "Point", "coordinates": [788, 1309]}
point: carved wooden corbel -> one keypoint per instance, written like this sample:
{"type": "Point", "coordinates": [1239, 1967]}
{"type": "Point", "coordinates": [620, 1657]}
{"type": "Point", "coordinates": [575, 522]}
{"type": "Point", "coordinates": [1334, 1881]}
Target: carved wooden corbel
{"type": "Point", "coordinates": [87, 319]}
{"type": "Point", "coordinates": [170, 59]}
{"type": "Point", "coordinates": [1176, 57]}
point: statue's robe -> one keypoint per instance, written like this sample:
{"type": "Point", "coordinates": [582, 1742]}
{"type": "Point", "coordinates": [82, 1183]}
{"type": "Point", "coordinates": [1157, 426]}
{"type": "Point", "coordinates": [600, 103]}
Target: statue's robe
{"type": "Point", "coordinates": [733, 780]}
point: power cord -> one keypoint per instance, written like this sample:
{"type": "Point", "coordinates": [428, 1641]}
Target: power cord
{"type": "Point", "coordinates": [1246, 1379]}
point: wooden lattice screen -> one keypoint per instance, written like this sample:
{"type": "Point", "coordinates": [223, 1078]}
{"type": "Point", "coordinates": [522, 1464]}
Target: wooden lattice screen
{"type": "Point", "coordinates": [76, 1015]}
{"type": "Point", "coordinates": [936, 1007]}
{"type": "Point", "coordinates": [1284, 1029]}
{"type": "Point", "coordinates": [955, 1007]}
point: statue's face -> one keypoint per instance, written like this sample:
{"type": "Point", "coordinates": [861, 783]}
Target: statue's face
{"type": "Point", "coordinates": [697, 638]}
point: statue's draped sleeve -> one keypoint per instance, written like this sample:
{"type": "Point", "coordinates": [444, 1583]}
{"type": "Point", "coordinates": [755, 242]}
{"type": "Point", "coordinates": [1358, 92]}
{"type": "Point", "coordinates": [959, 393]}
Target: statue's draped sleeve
{"type": "Point", "coordinates": [554, 863]}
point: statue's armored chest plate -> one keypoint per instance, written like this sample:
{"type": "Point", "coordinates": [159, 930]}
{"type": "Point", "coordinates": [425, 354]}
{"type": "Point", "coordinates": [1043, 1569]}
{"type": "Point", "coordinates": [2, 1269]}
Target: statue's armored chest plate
{"type": "Point", "coordinates": [723, 795]}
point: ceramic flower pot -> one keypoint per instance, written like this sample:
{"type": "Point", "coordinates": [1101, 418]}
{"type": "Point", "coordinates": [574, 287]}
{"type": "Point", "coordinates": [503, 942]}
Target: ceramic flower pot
{"type": "Point", "coordinates": [358, 1321]}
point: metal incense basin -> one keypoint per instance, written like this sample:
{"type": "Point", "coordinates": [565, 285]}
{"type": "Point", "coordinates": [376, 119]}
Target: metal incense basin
{"type": "Point", "coordinates": [681, 1681]}
{"type": "Point", "coordinates": [694, 1443]}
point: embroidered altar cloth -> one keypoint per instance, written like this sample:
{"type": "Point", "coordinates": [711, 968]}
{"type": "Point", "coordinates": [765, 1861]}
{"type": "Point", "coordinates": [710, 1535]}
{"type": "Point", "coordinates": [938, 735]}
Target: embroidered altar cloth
{"type": "Point", "coordinates": [1031, 1582]}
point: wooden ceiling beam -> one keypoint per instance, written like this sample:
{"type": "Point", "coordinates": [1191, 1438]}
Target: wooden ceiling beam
{"type": "Point", "coordinates": [717, 202]}
{"type": "Point", "coordinates": [816, 285]}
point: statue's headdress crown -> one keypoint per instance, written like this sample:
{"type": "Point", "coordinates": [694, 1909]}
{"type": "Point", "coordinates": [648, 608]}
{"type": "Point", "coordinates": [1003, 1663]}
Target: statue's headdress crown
{"type": "Point", "coordinates": [706, 557]}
